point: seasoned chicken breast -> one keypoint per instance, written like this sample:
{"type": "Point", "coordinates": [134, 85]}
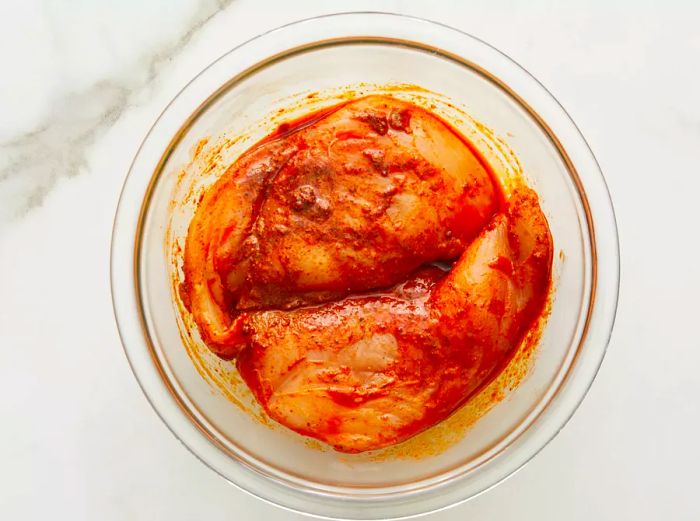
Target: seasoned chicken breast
{"type": "Point", "coordinates": [370, 371]}
{"type": "Point", "coordinates": [350, 200]}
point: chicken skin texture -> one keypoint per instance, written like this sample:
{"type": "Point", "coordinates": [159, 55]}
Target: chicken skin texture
{"type": "Point", "coordinates": [351, 200]}
{"type": "Point", "coordinates": [370, 371]}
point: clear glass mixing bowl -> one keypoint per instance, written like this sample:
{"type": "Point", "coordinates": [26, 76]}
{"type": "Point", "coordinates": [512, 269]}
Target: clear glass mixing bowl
{"type": "Point", "coordinates": [366, 49]}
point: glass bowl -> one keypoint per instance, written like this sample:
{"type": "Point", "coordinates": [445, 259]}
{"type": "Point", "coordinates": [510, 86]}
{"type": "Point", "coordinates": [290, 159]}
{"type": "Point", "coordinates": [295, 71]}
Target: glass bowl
{"type": "Point", "coordinates": [483, 93]}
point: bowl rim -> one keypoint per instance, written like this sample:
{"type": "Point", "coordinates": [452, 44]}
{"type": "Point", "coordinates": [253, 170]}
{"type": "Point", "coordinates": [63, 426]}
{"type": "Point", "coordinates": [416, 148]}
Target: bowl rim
{"type": "Point", "coordinates": [126, 239]}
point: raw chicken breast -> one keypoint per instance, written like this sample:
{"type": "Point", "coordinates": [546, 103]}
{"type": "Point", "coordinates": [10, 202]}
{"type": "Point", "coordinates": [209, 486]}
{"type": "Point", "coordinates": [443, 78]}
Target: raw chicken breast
{"type": "Point", "coordinates": [354, 199]}
{"type": "Point", "coordinates": [371, 371]}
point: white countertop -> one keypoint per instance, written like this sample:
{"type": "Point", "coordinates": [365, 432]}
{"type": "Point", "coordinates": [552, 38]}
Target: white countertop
{"type": "Point", "coordinates": [83, 81]}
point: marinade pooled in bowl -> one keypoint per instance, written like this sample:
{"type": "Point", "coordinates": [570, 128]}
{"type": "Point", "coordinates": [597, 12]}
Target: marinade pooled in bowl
{"type": "Point", "coordinates": [366, 270]}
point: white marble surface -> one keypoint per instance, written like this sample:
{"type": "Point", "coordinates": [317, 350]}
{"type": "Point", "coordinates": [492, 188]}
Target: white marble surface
{"type": "Point", "coordinates": [82, 82]}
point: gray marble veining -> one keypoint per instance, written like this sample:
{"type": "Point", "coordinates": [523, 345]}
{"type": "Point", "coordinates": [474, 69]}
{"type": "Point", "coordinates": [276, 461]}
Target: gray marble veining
{"type": "Point", "coordinates": [31, 163]}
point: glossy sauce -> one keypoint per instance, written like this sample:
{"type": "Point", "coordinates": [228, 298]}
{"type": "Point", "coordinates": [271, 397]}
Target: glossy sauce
{"type": "Point", "coordinates": [352, 199]}
{"type": "Point", "coordinates": [313, 262]}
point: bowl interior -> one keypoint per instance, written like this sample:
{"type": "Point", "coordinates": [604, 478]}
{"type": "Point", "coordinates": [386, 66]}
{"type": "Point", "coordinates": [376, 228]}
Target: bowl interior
{"type": "Point", "coordinates": [244, 110]}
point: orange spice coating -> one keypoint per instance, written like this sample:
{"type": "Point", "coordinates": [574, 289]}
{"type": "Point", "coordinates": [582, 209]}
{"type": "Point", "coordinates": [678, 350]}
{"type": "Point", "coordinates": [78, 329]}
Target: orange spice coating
{"type": "Point", "coordinates": [352, 199]}
{"type": "Point", "coordinates": [310, 261]}
{"type": "Point", "coordinates": [371, 371]}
